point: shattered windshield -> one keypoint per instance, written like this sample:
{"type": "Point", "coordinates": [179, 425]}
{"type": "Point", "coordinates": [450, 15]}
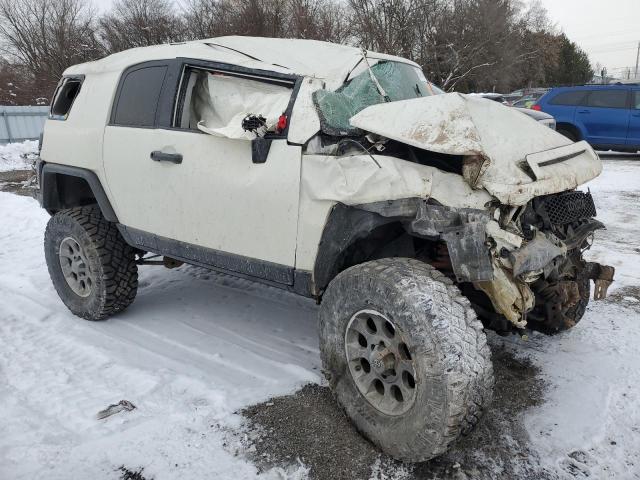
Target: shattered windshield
{"type": "Point", "coordinates": [400, 81]}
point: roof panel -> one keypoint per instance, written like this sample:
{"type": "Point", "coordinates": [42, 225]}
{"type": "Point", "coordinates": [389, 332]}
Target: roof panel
{"type": "Point", "coordinates": [284, 55]}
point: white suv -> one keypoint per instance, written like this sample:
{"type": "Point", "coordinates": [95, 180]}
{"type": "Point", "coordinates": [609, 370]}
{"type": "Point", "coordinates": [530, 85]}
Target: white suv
{"type": "Point", "coordinates": [415, 217]}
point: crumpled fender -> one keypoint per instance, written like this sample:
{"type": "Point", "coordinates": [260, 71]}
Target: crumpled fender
{"type": "Point", "coordinates": [360, 179]}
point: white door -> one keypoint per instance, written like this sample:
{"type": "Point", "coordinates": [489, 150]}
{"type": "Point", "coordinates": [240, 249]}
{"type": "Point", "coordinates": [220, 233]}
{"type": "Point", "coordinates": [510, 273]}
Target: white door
{"type": "Point", "coordinates": [215, 197]}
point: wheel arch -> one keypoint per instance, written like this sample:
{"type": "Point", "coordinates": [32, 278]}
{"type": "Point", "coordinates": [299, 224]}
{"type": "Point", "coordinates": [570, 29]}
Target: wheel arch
{"type": "Point", "coordinates": [572, 128]}
{"type": "Point", "coordinates": [64, 186]}
{"type": "Point", "coordinates": [358, 234]}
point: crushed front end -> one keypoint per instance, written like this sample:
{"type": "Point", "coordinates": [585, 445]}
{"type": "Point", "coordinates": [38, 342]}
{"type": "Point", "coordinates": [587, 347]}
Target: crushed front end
{"type": "Point", "coordinates": [558, 229]}
{"type": "Point", "coordinates": [491, 194]}
{"type": "Point", "coordinates": [527, 260]}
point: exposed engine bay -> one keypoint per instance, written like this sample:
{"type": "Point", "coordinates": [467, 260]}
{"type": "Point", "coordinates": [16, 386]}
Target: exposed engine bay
{"type": "Point", "coordinates": [562, 288]}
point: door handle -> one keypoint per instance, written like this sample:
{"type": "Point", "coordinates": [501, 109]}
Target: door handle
{"type": "Point", "coordinates": [636, 114]}
{"type": "Point", "coordinates": [159, 156]}
{"type": "Point", "coordinates": [584, 111]}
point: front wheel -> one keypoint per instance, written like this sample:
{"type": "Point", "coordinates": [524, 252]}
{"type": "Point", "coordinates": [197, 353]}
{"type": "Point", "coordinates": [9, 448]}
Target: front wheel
{"type": "Point", "coordinates": [92, 268]}
{"type": "Point", "coordinates": [405, 356]}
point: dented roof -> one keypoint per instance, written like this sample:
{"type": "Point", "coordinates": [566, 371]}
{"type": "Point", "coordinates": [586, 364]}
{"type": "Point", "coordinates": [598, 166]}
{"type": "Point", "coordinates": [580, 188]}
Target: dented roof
{"type": "Point", "coordinates": [312, 58]}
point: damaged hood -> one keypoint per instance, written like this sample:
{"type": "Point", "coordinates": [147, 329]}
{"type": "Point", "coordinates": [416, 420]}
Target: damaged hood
{"type": "Point", "coordinates": [523, 159]}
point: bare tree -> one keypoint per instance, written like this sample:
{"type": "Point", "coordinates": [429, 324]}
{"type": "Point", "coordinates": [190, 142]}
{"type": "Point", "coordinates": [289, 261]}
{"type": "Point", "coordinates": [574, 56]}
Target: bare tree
{"type": "Point", "coordinates": [317, 19]}
{"type": "Point", "coordinates": [314, 19]}
{"type": "Point", "coordinates": [387, 26]}
{"type": "Point", "coordinates": [140, 23]}
{"type": "Point", "coordinates": [463, 45]}
{"type": "Point", "coordinates": [207, 18]}
{"type": "Point", "coordinates": [47, 36]}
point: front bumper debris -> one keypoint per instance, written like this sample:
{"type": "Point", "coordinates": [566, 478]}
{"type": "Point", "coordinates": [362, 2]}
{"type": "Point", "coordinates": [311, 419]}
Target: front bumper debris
{"type": "Point", "coordinates": [602, 276]}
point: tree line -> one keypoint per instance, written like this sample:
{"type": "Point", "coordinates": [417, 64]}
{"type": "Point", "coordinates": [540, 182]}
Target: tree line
{"type": "Point", "coordinates": [462, 45]}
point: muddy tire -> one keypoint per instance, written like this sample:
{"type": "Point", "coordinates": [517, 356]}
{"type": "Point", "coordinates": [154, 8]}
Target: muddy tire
{"type": "Point", "coordinates": [92, 268]}
{"type": "Point", "coordinates": [411, 327]}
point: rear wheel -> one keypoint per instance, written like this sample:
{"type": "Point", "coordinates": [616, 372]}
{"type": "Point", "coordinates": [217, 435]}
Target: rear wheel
{"type": "Point", "coordinates": [405, 356]}
{"type": "Point", "coordinates": [92, 268]}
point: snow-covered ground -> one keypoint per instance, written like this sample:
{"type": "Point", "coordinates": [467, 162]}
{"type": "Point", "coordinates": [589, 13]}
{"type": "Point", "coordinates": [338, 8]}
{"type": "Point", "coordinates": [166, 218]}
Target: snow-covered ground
{"type": "Point", "coordinates": [17, 156]}
{"type": "Point", "coordinates": [590, 424]}
{"type": "Point", "coordinates": [193, 348]}
{"type": "Point", "coordinates": [196, 346]}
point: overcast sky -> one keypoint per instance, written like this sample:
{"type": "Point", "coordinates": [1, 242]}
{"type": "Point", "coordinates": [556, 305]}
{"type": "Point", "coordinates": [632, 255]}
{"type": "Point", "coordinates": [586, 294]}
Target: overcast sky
{"type": "Point", "coordinates": [608, 30]}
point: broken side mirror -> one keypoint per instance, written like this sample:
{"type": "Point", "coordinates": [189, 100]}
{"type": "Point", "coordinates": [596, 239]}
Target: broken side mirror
{"type": "Point", "coordinates": [260, 149]}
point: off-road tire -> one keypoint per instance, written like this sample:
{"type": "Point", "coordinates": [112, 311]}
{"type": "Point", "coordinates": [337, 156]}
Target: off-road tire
{"type": "Point", "coordinates": [454, 374]}
{"type": "Point", "coordinates": [111, 262]}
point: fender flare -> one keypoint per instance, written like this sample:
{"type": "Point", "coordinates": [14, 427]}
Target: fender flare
{"type": "Point", "coordinates": [345, 225]}
{"type": "Point", "coordinates": [462, 229]}
{"type": "Point", "coordinates": [49, 196]}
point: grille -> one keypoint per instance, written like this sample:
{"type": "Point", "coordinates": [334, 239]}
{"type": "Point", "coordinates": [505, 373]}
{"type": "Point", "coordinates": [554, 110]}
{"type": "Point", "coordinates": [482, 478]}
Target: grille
{"type": "Point", "coordinates": [568, 207]}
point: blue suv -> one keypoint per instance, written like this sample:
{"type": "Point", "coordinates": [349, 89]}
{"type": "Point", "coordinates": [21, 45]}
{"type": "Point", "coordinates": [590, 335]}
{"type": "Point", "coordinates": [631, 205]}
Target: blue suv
{"type": "Point", "coordinates": [606, 116]}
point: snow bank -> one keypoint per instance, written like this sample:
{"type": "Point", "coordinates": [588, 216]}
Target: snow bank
{"type": "Point", "coordinates": [18, 156]}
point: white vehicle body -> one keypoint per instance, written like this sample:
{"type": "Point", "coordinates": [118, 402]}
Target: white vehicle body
{"type": "Point", "coordinates": [267, 220]}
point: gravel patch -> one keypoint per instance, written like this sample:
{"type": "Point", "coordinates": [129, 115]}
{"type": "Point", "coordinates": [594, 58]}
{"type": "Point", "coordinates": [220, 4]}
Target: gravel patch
{"type": "Point", "coordinates": [310, 428]}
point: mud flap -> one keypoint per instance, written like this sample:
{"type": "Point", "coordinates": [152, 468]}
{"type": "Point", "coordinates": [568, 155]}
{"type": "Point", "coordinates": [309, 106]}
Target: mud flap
{"type": "Point", "coordinates": [464, 231]}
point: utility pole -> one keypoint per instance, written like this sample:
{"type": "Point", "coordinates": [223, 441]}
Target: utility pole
{"type": "Point", "coordinates": [637, 61]}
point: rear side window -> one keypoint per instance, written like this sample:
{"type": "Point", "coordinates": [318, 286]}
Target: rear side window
{"type": "Point", "coordinates": [608, 98]}
{"type": "Point", "coordinates": [66, 93]}
{"type": "Point", "coordinates": [137, 102]}
{"type": "Point", "coordinates": [572, 98]}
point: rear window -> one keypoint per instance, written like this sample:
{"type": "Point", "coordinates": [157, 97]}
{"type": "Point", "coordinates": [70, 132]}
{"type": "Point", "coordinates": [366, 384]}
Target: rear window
{"type": "Point", "coordinates": [608, 98]}
{"type": "Point", "coordinates": [572, 98]}
{"type": "Point", "coordinates": [139, 94]}
{"type": "Point", "coordinates": [66, 93]}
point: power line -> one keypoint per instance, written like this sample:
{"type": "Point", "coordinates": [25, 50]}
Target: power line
{"type": "Point", "coordinates": [611, 50]}
{"type": "Point", "coordinates": [613, 44]}
{"type": "Point", "coordinates": [629, 31]}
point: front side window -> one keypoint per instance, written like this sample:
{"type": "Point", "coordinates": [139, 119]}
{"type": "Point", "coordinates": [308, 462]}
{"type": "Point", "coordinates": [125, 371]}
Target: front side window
{"type": "Point", "coordinates": [216, 103]}
{"type": "Point", "coordinates": [569, 98]}
{"type": "Point", "coordinates": [66, 93]}
{"type": "Point", "coordinates": [608, 99]}
{"type": "Point", "coordinates": [137, 102]}
{"type": "Point", "coordinates": [400, 81]}
{"type": "Point", "coordinates": [636, 96]}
